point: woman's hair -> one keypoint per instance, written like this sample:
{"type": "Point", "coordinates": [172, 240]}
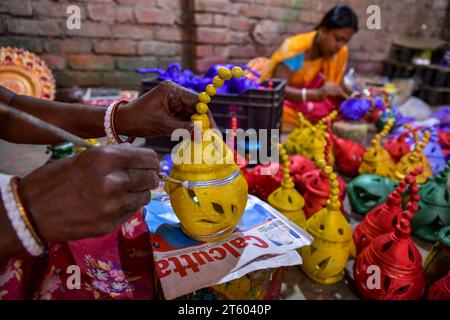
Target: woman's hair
{"type": "Point", "coordinates": [340, 16]}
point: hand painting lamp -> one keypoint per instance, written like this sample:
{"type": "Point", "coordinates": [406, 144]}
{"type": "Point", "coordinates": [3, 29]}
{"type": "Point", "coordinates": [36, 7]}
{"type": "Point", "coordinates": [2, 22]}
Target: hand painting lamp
{"type": "Point", "coordinates": [325, 259]}
{"type": "Point", "coordinates": [207, 190]}
{"type": "Point", "coordinates": [286, 198]}
{"type": "Point", "coordinates": [415, 159]}
{"type": "Point", "coordinates": [434, 206]}
{"type": "Point", "coordinates": [368, 191]}
{"type": "Point", "coordinates": [385, 217]}
{"type": "Point", "coordinates": [398, 263]}
{"type": "Point", "coordinates": [377, 160]}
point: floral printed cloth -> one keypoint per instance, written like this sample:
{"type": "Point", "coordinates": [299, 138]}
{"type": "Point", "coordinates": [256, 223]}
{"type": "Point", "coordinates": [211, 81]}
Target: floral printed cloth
{"type": "Point", "coordinates": [116, 266]}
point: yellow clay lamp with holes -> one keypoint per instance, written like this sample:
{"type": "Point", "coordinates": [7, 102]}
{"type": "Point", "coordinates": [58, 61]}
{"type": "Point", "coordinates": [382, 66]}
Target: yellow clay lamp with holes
{"type": "Point", "coordinates": [207, 190]}
{"type": "Point", "coordinates": [309, 140]}
{"type": "Point", "coordinates": [415, 159]}
{"type": "Point", "coordinates": [377, 160]}
{"type": "Point", "coordinates": [325, 259]}
{"type": "Point", "coordinates": [286, 198]}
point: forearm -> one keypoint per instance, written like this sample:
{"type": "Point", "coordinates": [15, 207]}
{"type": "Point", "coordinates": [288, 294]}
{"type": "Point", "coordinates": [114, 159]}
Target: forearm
{"type": "Point", "coordinates": [82, 120]}
{"type": "Point", "coordinates": [9, 243]}
{"type": "Point", "coordinates": [295, 94]}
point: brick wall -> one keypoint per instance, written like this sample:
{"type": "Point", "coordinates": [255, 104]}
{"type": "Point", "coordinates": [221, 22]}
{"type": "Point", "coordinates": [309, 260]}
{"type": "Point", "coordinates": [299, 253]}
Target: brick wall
{"type": "Point", "coordinates": [118, 36]}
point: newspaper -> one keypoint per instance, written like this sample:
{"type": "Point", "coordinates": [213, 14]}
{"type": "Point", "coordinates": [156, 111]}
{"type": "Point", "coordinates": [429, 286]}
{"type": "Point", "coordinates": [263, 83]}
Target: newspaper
{"type": "Point", "coordinates": [263, 239]}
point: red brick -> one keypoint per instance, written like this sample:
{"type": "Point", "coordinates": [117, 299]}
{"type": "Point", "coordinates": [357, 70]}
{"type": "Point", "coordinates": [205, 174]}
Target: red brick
{"type": "Point", "coordinates": [33, 27]}
{"type": "Point", "coordinates": [100, 12]}
{"type": "Point", "coordinates": [203, 19]}
{"type": "Point", "coordinates": [310, 16]}
{"type": "Point", "coordinates": [219, 6]}
{"type": "Point", "coordinates": [33, 45]}
{"type": "Point", "coordinates": [240, 23]}
{"type": "Point", "coordinates": [202, 51]}
{"type": "Point", "coordinates": [54, 62]}
{"type": "Point", "coordinates": [91, 30]}
{"type": "Point", "coordinates": [172, 4]}
{"type": "Point", "coordinates": [47, 8]}
{"type": "Point", "coordinates": [120, 47]}
{"type": "Point", "coordinates": [159, 48]}
{"type": "Point", "coordinates": [126, 2]}
{"type": "Point", "coordinates": [68, 46]}
{"type": "Point", "coordinates": [124, 80]}
{"type": "Point", "coordinates": [247, 51]}
{"type": "Point", "coordinates": [153, 15]}
{"type": "Point", "coordinates": [221, 20]}
{"type": "Point", "coordinates": [24, 9]}
{"type": "Point", "coordinates": [213, 36]}
{"type": "Point", "coordinates": [134, 63]}
{"type": "Point", "coordinates": [169, 34]}
{"type": "Point", "coordinates": [202, 65]}
{"type": "Point", "coordinates": [124, 14]}
{"type": "Point", "coordinates": [132, 31]}
{"type": "Point", "coordinates": [66, 78]}
{"type": "Point", "coordinates": [90, 62]}
{"type": "Point", "coordinates": [255, 11]}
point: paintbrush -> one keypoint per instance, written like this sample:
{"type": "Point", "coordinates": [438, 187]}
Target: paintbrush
{"type": "Point", "coordinates": [324, 78]}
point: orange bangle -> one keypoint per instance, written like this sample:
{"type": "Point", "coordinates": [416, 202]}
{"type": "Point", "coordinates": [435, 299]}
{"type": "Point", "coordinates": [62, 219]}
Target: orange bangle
{"type": "Point", "coordinates": [113, 127]}
{"type": "Point", "coordinates": [23, 213]}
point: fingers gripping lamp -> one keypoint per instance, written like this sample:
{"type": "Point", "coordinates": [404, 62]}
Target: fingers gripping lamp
{"type": "Point", "coordinates": [415, 159]}
{"type": "Point", "coordinates": [286, 198]}
{"type": "Point", "coordinates": [207, 190]}
{"type": "Point", "coordinates": [325, 259]}
{"type": "Point", "coordinates": [377, 160]}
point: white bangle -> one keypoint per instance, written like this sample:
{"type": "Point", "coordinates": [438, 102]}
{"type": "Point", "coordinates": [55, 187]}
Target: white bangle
{"type": "Point", "coordinates": [304, 94]}
{"type": "Point", "coordinates": [12, 210]}
{"type": "Point", "coordinates": [107, 124]}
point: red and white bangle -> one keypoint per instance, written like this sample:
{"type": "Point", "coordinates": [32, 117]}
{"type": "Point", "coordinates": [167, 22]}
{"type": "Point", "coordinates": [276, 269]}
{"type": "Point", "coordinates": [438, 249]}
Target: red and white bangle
{"type": "Point", "coordinates": [19, 219]}
{"type": "Point", "coordinates": [109, 123]}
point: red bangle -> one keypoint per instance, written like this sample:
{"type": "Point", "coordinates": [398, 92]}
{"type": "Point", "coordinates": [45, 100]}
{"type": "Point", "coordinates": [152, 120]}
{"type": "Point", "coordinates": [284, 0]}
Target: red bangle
{"type": "Point", "coordinates": [113, 127]}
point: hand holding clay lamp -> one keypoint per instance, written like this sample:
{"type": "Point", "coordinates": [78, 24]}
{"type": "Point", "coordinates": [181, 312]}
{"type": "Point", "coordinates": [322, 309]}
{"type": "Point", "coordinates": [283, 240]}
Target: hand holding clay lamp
{"type": "Point", "coordinates": [384, 218]}
{"type": "Point", "coordinates": [368, 191]}
{"type": "Point", "coordinates": [207, 190]}
{"type": "Point", "coordinates": [434, 204]}
{"type": "Point", "coordinates": [325, 259]}
{"type": "Point", "coordinates": [377, 160]}
{"type": "Point", "coordinates": [415, 159]}
{"type": "Point", "coordinates": [286, 198]}
{"type": "Point", "coordinates": [398, 263]}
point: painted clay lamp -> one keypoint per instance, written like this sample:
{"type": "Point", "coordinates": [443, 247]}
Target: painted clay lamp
{"type": "Point", "coordinates": [434, 206]}
{"type": "Point", "coordinates": [368, 191]}
{"type": "Point", "coordinates": [207, 190]}
{"type": "Point", "coordinates": [384, 218]}
{"type": "Point", "coordinates": [440, 290]}
{"type": "Point", "coordinates": [286, 198]}
{"type": "Point", "coordinates": [348, 155]}
{"type": "Point", "coordinates": [399, 146]}
{"type": "Point", "coordinates": [415, 159]}
{"type": "Point", "coordinates": [377, 160]}
{"type": "Point", "coordinates": [398, 264]}
{"type": "Point", "coordinates": [325, 259]}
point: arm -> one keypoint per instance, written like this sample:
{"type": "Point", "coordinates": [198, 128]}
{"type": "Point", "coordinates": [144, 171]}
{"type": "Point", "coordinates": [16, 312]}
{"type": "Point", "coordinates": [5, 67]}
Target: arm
{"type": "Point", "coordinates": [159, 111]}
{"type": "Point", "coordinates": [294, 94]}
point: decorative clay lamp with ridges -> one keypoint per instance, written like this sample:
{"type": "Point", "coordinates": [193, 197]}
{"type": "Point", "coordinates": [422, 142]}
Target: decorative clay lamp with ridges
{"type": "Point", "coordinates": [286, 198]}
{"type": "Point", "coordinates": [207, 190]}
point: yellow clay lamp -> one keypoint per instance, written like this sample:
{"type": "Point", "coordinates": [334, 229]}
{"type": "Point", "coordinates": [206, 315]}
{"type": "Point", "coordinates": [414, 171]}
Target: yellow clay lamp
{"type": "Point", "coordinates": [325, 259]}
{"type": "Point", "coordinates": [415, 159]}
{"type": "Point", "coordinates": [310, 140]}
{"type": "Point", "coordinates": [286, 198]}
{"type": "Point", "coordinates": [378, 160]}
{"type": "Point", "coordinates": [207, 190]}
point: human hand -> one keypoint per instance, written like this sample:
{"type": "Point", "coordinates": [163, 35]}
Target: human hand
{"type": "Point", "coordinates": [160, 111]}
{"type": "Point", "coordinates": [90, 194]}
{"type": "Point", "coordinates": [331, 89]}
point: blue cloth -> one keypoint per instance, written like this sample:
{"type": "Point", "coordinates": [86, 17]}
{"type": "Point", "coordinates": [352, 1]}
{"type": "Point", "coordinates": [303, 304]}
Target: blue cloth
{"type": "Point", "coordinates": [295, 63]}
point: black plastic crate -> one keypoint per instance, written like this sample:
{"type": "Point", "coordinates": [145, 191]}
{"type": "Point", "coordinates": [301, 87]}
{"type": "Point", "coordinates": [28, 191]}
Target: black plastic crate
{"type": "Point", "coordinates": [256, 109]}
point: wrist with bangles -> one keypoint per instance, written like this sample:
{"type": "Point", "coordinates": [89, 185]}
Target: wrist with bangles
{"type": "Point", "coordinates": [109, 123]}
{"type": "Point", "coordinates": [21, 219]}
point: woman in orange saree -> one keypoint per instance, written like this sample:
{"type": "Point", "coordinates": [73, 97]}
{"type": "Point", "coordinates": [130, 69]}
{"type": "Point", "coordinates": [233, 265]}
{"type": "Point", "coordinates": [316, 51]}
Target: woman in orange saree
{"type": "Point", "coordinates": [313, 64]}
